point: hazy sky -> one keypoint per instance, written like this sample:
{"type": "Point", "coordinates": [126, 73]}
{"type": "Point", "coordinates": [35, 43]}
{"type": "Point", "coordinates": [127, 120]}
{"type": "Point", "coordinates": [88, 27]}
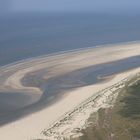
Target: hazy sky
{"type": "Point", "coordinates": [71, 5]}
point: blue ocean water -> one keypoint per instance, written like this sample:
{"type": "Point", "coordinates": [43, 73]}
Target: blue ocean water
{"type": "Point", "coordinates": [29, 35]}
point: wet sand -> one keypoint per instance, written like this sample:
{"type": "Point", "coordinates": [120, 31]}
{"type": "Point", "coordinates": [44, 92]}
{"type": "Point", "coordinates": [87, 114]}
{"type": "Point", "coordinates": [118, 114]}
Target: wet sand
{"type": "Point", "coordinates": [62, 79]}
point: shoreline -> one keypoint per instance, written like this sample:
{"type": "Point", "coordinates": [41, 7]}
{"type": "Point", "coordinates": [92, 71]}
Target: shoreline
{"type": "Point", "coordinates": [69, 62]}
{"type": "Point", "coordinates": [73, 50]}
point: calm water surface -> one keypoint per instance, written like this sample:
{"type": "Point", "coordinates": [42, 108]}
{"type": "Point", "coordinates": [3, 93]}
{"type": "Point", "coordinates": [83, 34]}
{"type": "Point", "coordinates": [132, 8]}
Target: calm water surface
{"type": "Point", "coordinates": [23, 36]}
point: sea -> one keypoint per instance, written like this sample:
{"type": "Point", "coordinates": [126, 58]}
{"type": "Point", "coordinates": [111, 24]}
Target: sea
{"type": "Point", "coordinates": [25, 35]}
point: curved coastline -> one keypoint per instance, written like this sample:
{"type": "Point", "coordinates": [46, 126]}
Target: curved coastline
{"type": "Point", "coordinates": [57, 65]}
{"type": "Point", "coordinates": [50, 57]}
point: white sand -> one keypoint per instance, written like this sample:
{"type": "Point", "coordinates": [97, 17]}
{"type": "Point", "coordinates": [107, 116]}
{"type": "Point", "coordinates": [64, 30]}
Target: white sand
{"type": "Point", "coordinates": [31, 126]}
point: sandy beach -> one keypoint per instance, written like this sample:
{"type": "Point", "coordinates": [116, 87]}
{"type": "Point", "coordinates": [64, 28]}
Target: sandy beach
{"type": "Point", "coordinates": [49, 67]}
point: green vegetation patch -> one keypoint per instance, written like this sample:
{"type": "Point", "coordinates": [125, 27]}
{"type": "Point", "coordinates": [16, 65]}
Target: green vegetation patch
{"type": "Point", "coordinates": [122, 122]}
{"type": "Point", "coordinates": [131, 102]}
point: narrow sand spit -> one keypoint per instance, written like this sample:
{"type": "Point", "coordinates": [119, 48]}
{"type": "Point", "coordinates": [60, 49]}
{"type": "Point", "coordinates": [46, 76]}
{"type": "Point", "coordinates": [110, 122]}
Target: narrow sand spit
{"type": "Point", "coordinates": [64, 63]}
{"type": "Point", "coordinates": [32, 125]}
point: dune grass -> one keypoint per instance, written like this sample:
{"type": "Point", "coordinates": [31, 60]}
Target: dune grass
{"type": "Point", "coordinates": [122, 122]}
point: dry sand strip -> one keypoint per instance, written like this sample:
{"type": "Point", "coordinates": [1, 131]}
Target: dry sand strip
{"type": "Point", "coordinates": [71, 124]}
{"type": "Point", "coordinates": [74, 122]}
{"type": "Point", "coordinates": [32, 125]}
